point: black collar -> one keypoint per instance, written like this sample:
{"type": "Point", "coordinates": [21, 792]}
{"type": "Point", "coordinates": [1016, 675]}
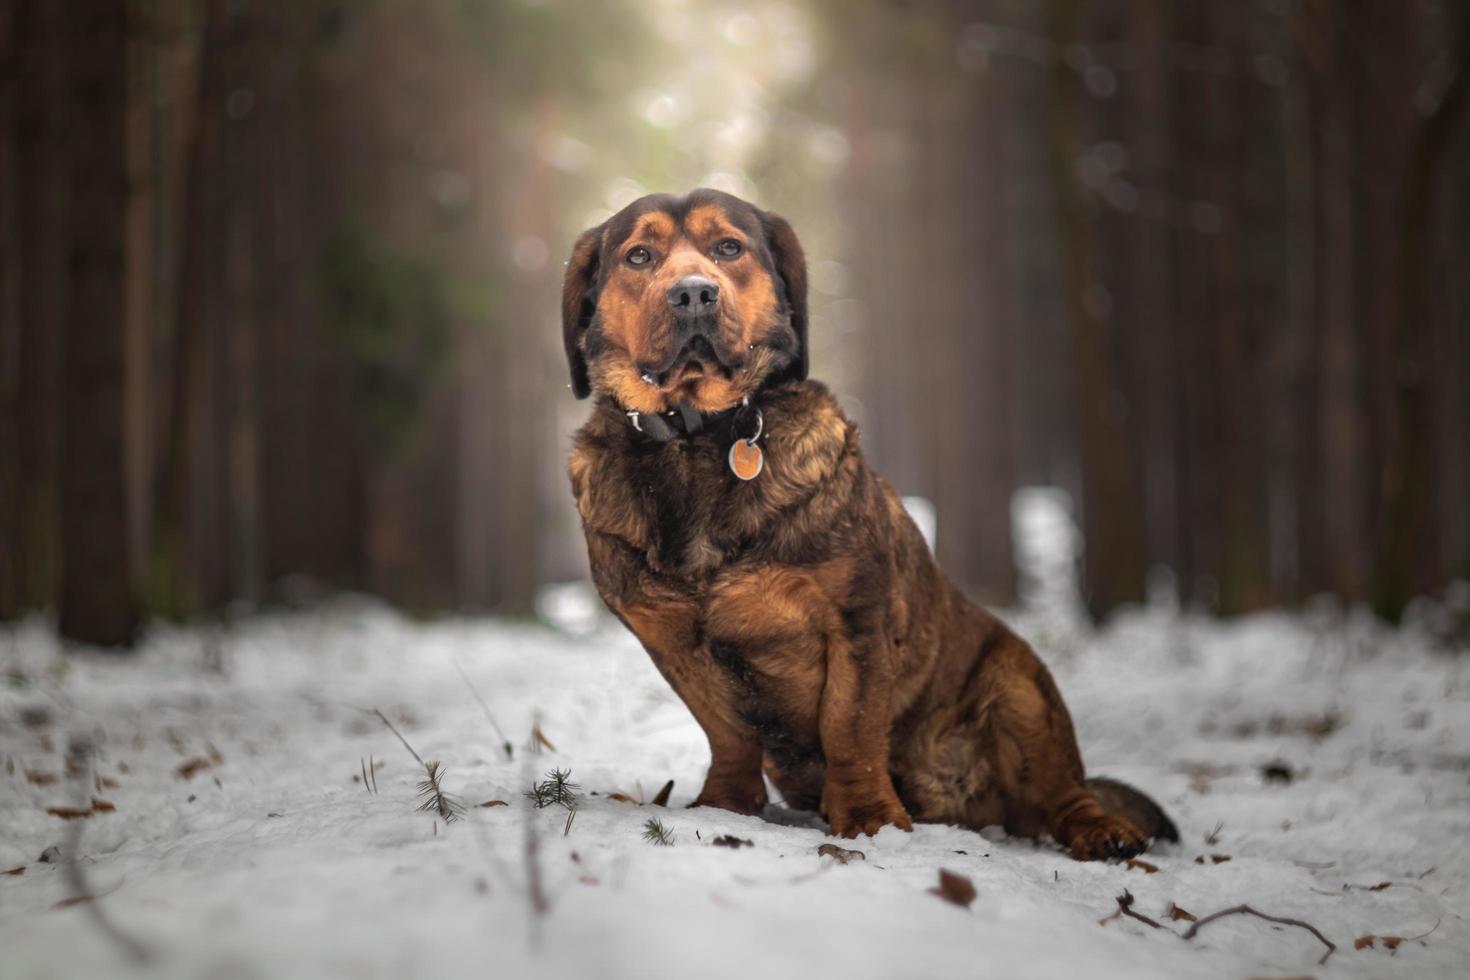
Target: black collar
{"type": "Point", "coordinates": [686, 420]}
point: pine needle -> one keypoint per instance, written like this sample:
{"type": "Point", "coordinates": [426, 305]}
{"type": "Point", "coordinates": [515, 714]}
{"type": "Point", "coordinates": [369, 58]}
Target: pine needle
{"type": "Point", "coordinates": [417, 758]}
{"type": "Point", "coordinates": [433, 799]}
{"type": "Point", "coordinates": [557, 789]}
{"type": "Point", "coordinates": [504, 742]}
{"type": "Point", "coordinates": [369, 775]}
{"type": "Point", "coordinates": [655, 832]}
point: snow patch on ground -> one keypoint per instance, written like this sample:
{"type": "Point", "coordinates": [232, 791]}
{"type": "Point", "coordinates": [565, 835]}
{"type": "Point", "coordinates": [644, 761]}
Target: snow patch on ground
{"type": "Point", "coordinates": [275, 861]}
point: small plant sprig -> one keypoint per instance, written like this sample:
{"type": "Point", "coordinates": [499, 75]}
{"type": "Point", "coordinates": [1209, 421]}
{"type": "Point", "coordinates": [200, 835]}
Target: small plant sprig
{"type": "Point", "coordinates": [431, 793]}
{"type": "Point", "coordinates": [656, 833]}
{"type": "Point", "coordinates": [433, 799]}
{"type": "Point", "coordinates": [557, 789]}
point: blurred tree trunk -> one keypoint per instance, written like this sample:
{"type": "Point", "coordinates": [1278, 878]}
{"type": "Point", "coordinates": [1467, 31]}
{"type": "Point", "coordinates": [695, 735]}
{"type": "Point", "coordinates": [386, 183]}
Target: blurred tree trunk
{"type": "Point", "coordinates": [11, 331]}
{"type": "Point", "coordinates": [1220, 132]}
{"type": "Point", "coordinates": [178, 575]}
{"type": "Point", "coordinates": [1380, 80]}
{"type": "Point", "coordinates": [1407, 560]}
{"type": "Point", "coordinates": [1307, 198]}
{"type": "Point", "coordinates": [1145, 252]}
{"type": "Point", "coordinates": [139, 133]}
{"type": "Point", "coordinates": [1115, 561]}
{"type": "Point", "coordinates": [39, 265]}
{"type": "Point", "coordinates": [1333, 462]}
{"type": "Point", "coordinates": [98, 599]}
{"type": "Point", "coordinates": [968, 403]}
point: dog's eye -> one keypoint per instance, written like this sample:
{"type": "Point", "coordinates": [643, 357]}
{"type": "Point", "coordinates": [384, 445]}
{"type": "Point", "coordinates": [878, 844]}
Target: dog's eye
{"type": "Point", "coordinates": [639, 256]}
{"type": "Point", "coordinates": [728, 249]}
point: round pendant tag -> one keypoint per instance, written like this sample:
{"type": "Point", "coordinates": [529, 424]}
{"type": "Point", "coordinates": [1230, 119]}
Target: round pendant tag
{"type": "Point", "coordinates": [746, 459]}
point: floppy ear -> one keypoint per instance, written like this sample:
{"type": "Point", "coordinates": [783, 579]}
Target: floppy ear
{"type": "Point", "coordinates": [578, 304]}
{"type": "Point", "coordinates": [791, 267]}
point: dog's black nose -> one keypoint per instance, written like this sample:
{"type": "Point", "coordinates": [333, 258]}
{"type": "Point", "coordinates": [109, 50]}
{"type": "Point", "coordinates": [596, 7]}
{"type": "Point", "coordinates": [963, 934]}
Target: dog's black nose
{"type": "Point", "coordinates": [693, 295]}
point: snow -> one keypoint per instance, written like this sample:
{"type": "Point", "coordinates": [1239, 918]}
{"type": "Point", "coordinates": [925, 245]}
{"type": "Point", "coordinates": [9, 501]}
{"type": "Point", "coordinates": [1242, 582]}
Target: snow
{"type": "Point", "coordinates": [276, 862]}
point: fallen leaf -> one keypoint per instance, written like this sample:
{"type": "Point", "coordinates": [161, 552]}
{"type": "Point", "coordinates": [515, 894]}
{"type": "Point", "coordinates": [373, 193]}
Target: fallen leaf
{"type": "Point", "coordinates": [1180, 915]}
{"type": "Point", "coordinates": [622, 798]}
{"type": "Point", "coordinates": [1219, 858]}
{"type": "Point", "coordinates": [489, 803]}
{"type": "Point", "coordinates": [587, 879]}
{"type": "Point", "coordinates": [1278, 772]}
{"type": "Point", "coordinates": [662, 799]}
{"type": "Point", "coordinates": [190, 768]}
{"type": "Point", "coordinates": [538, 737]}
{"type": "Point", "coordinates": [35, 716]}
{"type": "Point", "coordinates": [67, 903]}
{"type": "Point", "coordinates": [954, 888]}
{"type": "Point", "coordinates": [68, 812]}
{"type": "Point", "coordinates": [15, 871]}
{"type": "Point", "coordinates": [731, 841]}
{"type": "Point", "coordinates": [841, 854]}
{"type": "Point", "coordinates": [102, 782]}
{"type": "Point", "coordinates": [103, 806]}
{"type": "Point", "coordinates": [1144, 866]}
{"type": "Point", "coordinates": [1364, 942]}
{"type": "Point", "coordinates": [41, 777]}
{"type": "Point", "coordinates": [1380, 886]}
{"type": "Point", "coordinates": [1392, 942]}
{"type": "Point", "coordinates": [1316, 726]}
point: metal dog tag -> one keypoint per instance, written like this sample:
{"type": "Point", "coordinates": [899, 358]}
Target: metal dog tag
{"type": "Point", "coordinates": [746, 459]}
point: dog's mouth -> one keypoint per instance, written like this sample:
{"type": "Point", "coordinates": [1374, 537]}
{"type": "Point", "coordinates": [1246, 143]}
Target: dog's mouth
{"type": "Point", "coordinates": [697, 357]}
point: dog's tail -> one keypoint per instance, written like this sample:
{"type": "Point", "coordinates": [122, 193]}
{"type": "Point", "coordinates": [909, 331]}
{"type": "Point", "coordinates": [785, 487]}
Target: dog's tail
{"type": "Point", "coordinates": [1121, 800]}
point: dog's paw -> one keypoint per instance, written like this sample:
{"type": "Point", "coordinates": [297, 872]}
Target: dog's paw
{"type": "Point", "coordinates": [850, 814]}
{"type": "Point", "coordinates": [726, 796]}
{"type": "Point", "coordinates": [1107, 838]}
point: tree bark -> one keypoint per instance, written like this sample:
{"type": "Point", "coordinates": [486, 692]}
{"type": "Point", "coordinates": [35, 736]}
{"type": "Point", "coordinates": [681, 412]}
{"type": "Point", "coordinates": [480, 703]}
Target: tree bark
{"type": "Point", "coordinates": [1407, 559]}
{"type": "Point", "coordinates": [1115, 558]}
{"type": "Point", "coordinates": [98, 599]}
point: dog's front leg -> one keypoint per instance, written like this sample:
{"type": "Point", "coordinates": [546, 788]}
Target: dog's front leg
{"type": "Point", "coordinates": [857, 793]}
{"type": "Point", "coordinates": [734, 781]}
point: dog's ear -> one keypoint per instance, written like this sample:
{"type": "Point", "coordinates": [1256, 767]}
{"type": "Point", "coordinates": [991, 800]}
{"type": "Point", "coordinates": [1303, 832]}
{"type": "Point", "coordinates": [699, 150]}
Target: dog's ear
{"type": "Point", "coordinates": [791, 268]}
{"type": "Point", "coordinates": [578, 304]}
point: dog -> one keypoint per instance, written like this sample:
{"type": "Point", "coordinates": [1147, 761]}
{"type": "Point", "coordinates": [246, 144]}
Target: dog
{"type": "Point", "coordinates": [777, 583]}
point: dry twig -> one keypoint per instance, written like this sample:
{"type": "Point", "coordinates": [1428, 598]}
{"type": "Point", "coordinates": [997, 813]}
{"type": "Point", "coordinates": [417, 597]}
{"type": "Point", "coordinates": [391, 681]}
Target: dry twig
{"type": "Point", "coordinates": [1125, 907]}
{"type": "Point", "coordinates": [82, 752]}
{"type": "Point", "coordinates": [1247, 910]}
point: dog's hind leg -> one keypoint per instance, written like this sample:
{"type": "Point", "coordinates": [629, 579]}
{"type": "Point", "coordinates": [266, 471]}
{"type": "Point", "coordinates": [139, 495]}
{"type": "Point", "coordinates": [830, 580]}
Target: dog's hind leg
{"type": "Point", "coordinates": [1038, 769]}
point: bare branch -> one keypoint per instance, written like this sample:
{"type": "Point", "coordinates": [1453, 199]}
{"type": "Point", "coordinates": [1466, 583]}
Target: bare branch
{"type": "Point", "coordinates": [1247, 910]}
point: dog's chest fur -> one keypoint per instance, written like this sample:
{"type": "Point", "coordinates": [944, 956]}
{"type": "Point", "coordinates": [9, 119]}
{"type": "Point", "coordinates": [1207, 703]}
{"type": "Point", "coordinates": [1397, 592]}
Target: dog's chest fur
{"type": "Point", "coordinates": [702, 565]}
{"type": "Point", "coordinates": [687, 517]}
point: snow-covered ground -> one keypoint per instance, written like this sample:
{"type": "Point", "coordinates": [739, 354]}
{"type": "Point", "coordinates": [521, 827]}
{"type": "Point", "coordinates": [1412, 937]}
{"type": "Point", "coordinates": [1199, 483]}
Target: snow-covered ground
{"type": "Point", "coordinates": [273, 860]}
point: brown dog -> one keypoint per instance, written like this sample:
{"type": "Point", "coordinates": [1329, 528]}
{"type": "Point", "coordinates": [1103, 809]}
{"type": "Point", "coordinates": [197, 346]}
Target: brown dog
{"type": "Point", "coordinates": [777, 583]}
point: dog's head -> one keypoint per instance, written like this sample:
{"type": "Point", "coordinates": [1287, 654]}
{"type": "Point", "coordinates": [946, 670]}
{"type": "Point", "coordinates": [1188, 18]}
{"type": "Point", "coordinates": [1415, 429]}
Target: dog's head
{"type": "Point", "coordinates": [699, 299]}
